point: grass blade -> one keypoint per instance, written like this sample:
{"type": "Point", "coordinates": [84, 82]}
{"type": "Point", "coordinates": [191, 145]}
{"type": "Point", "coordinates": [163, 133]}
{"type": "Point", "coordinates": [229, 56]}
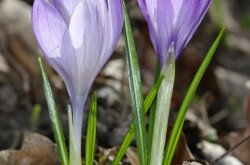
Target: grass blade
{"type": "Point", "coordinates": [54, 117]}
{"type": "Point", "coordinates": [130, 134]}
{"type": "Point", "coordinates": [136, 96]}
{"type": "Point", "coordinates": [176, 131]}
{"type": "Point", "coordinates": [91, 132]}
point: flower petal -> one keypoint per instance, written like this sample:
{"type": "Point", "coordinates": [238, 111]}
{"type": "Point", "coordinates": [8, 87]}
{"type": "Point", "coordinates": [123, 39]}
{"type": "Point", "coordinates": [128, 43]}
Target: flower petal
{"type": "Point", "coordinates": [48, 27]}
{"type": "Point", "coordinates": [148, 9]}
{"type": "Point", "coordinates": [87, 39]}
{"type": "Point", "coordinates": [189, 18]}
{"type": "Point", "coordinates": [177, 4]}
{"type": "Point", "coordinates": [165, 14]}
{"type": "Point", "coordinates": [66, 66]}
{"type": "Point", "coordinates": [65, 8]}
{"type": "Point", "coordinates": [113, 26]}
{"type": "Point", "coordinates": [150, 17]}
{"type": "Point", "coordinates": [172, 21]}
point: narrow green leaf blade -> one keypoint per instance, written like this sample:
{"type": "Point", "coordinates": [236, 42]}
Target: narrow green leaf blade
{"type": "Point", "coordinates": [138, 115]}
{"type": "Point", "coordinates": [35, 116]}
{"type": "Point", "coordinates": [152, 113]}
{"type": "Point", "coordinates": [176, 131]}
{"type": "Point", "coordinates": [54, 117]}
{"type": "Point", "coordinates": [91, 132]}
{"type": "Point", "coordinates": [130, 134]}
{"type": "Point", "coordinates": [153, 92]}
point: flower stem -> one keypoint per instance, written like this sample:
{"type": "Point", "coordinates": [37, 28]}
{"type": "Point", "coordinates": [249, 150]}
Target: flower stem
{"type": "Point", "coordinates": [76, 131]}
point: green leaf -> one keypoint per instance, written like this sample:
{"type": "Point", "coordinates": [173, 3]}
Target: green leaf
{"type": "Point", "coordinates": [163, 108]}
{"type": "Point", "coordinates": [91, 132]}
{"type": "Point", "coordinates": [130, 134]}
{"type": "Point", "coordinates": [35, 116]}
{"type": "Point", "coordinates": [152, 112]}
{"type": "Point", "coordinates": [176, 131]}
{"type": "Point", "coordinates": [151, 96]}
{"type": "Point", "coordinates": [54, 117]}
{"type": "Point", "coordinates": [138, 115]}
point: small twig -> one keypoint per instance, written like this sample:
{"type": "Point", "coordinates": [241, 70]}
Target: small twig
{"type": "Point", "coordinates": [230, 150]}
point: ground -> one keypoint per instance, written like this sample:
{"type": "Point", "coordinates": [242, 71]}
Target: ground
{"type": "Point", "coordinates": [219, 116]}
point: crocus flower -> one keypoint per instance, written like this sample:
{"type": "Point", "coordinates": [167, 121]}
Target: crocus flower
{"type": "Point", "coordinates": [77, 37]}
{"type": "Point", "coordinates": [172, 22]}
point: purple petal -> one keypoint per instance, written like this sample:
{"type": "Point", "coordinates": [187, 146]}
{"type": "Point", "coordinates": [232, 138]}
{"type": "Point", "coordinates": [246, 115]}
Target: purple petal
{"type": "Point", "coordinates": [177, 4]}
{"type": "Point", "coordinates": [65, 8]}
{"type": "Point", "coordinates": [53, 38]}
{"type": "Point", "coordinates": [189, 18]}
{"type": "Point", "coordinates": [48, 27]}
{"type": "Point", "coordinates": [77, 38]}
{"type": "Point", "coordinates": [148, 8]}
{"type": "Point", "coordinates": [143, 7]}
{"type": "Point", "coordinates": [66, 66]}
{"type": "Point", "coordinates": [113, 26]}
{"type": "Point", "coordinates": [159, 15]}
{"type": "Point", "coordinates": [150, 17]}
{"type": "Point", "coordinates": [165, 29]}
{"type": "Point", "coordinates": [172, 21]}
{"type": "Point", "coordinates": [87, 39]}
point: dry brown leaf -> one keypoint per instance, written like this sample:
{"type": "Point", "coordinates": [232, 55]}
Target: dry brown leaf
{"type": "Point", "coordinates": [182, 152]}
{"type": "Point", "coordinates": [36, 150]}
{"type": "Point", "coordinates": [131, 155]}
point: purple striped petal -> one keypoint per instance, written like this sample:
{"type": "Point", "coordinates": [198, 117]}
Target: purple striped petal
{"type": "Point", "coordinates": [113, 25]}
{"type": "Point", "coordinates": [53, 38]}
{"type": "Point", "coordinates": [79, 48]}
{"type": "Point", "coordinates": [87, 40]}
{"type": "Point", "coordinates": [48, 27]}
{"type": "Point", "coordinates": [172, 21]}
{"type": "Point", "coordinates": [189, 21]}
{"type": "Point", "coordinates": [77, 38]}
{"type": "Point", "coordinates": [65, 7]}
{"type": "Point", "coordinates": [164, 28]}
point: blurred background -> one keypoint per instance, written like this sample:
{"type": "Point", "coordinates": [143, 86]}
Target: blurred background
{"type": "Point", "coordinates": [217, 120]}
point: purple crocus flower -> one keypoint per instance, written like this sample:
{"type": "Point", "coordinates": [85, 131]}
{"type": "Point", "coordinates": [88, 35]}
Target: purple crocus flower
{"type": "Point", "coordinates": [77, 37]}
{"type": "Point", "coordinates": [172, 22]}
